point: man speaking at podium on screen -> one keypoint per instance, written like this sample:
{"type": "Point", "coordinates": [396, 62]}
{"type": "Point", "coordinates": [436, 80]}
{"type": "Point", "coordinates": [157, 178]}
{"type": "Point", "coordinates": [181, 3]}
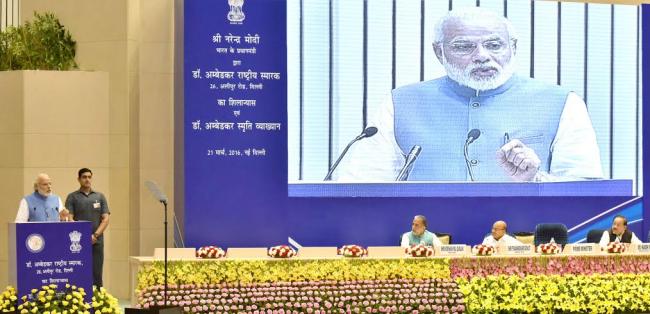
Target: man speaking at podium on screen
{"type": "Point", "coordinates": [539, 131]}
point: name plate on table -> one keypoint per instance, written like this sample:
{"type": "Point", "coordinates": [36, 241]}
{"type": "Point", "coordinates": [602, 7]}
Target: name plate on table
{"type": "Point", "coordinates": [522, 249]}
{"type": "Point", "coordinates": [582, 248]}
{"type": "Point", "coordinates": [453, 249]}
{"type": "Point", "coordinates": [643, 248]}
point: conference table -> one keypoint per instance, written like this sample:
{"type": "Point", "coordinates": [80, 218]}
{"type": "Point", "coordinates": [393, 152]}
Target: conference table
{"type": "Point", "coordinates": [595, 283]}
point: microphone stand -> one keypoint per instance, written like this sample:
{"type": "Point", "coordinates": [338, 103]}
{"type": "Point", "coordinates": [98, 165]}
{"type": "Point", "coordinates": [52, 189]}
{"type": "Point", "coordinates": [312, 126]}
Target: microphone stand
{"type": "Point", "coordinates": [404, 173]}
{"type": "Point", "coordinates": [165, 258]}
{"type": "Point", "coordinates": [467, 163]}
{"type": "Point", "coordinates": [409, 163]}
{"type": "Point", "coordinates": [153, 188]}
{"type": "Point", "coordinates": [328, 177]}
{"type": "Point", "coordinates": [367, 132]}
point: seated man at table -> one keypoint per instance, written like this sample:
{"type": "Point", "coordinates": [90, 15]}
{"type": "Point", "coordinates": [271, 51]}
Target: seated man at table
{"type": "Point", "coordinates": [499, 235]}
{"type": "Point", "coordinates": [419, 234]}
{"type": "Point", "coordinates": [618, 233]}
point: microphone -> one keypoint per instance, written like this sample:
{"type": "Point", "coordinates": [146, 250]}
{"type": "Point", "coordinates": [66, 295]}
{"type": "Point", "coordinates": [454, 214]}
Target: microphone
{"type": "Point", "coordinates": [157, 193]}
{"type": "Point", "coordinates": [408, 163]}
{"type": "Point", "coordinates": [367, 132]}
{"type": "Point", "coordinates": [471, 137]}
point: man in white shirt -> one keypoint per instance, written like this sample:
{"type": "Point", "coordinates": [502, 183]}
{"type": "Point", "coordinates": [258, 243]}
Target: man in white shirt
{"type": "Point", "coordinates": [42, 205]}
{"type": "Point", "coordinates": [499, 236]}
{"type": "Point", "coordinates": [539, 131]}
{"type": "Point", "coordinates": [618, 233]}
{"type": "Point", "coordinates": [419, 234]}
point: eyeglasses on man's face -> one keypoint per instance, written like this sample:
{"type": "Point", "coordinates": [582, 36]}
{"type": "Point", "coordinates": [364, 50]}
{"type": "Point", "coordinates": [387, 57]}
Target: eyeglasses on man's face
{"type": "Point", "coordinates": [467, 47]}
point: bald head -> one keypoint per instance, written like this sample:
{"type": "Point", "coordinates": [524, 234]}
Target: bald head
{"type": "Point", "coordinates": [43, 184]}
{"type": "Point", "coordinates": [499, 229]}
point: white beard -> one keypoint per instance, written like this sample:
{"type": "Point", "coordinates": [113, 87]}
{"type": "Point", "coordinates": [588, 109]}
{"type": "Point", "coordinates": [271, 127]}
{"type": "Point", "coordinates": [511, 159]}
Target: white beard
{"type": "Point", "coordinates": [464, 76]}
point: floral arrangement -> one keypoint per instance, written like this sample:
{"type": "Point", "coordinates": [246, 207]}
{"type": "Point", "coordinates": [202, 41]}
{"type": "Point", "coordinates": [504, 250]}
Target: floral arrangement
{"type": "Point", "coordinates": [483, 250]}
{"type": "Point", "coordinates": [210, 252]}
{"type": "Point", "coordinates": [49, 299]}
{"type": "Point", "coordinates": [281, 251]}
{"type": "Point", "coordinates": [103, 302]}
{"type": "Point", "coordinates": [273, 270]}
{"type": "Point", "coordinates": [8, 300]}
{"type": "Point", "coordinates": [549, 265]}
{"type": "Point", "coordinates": [549, 248]}
{"type": "Point", "coordinates": [616, 247]}
{"type": "Point", "coordinates": [526, 284]}
{"type": "Point", "coordinates": [367, 296]}
{"type": "Point", "coordinates": [419, 251]}
{"type": "Point", "coordinates": [602, 293]}
{"type": "Point", "coordinates": [352, 250]}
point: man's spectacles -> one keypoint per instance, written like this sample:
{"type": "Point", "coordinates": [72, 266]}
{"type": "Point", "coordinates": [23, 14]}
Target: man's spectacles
{"type": "Point", "coordinates": [464, 47]}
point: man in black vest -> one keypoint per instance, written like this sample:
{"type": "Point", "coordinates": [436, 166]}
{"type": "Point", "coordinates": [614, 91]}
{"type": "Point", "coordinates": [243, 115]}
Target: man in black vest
{"type": "Point", "coordinates": [618, 233]}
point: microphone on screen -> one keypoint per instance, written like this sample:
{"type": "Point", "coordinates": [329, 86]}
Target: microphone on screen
{"type": "Point", "coordinates": [367, 132]}
{"type": "Point", "coordinates": [471, 137]}
{"type": "Point", "coordinates": [408, 163]}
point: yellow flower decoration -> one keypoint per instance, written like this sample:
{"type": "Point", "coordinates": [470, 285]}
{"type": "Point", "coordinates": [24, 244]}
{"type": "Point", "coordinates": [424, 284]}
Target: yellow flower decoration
{"type": "Point", "coordinates": [213, 272]}
{"type": "Point", "coordinates": [600, 293]}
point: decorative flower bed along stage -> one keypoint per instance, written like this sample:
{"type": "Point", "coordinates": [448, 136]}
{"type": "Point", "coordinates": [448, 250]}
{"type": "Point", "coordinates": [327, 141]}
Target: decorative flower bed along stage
{"type": "Point", "coordinates": [599, 293]}
{"type": "Point", "coordinates": [540, 284]}
{"type": "Point", "coordinates": [549, 265]}
{"type": "Point", "coordinates": [368, 296]}
{"type": "Point", "coordinates": [291, 270]}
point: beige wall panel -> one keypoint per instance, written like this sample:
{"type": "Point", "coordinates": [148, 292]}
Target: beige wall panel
{"type": "Point", "coordinates": [156, 23]}
{"type": "Point", "coordinates": [12, 150]}
{"type": "Point", "coordinates": [54, 100]}
{"type": "Point", "coordinates": [156, 103]}
{"type": "Point", "coordinates": [119, 198]}
{"type": "Point", "coordinates": [151, 239]}
{"type": "Point", "coordinates": [119, 151]}
{"type": "Point", "coordinates": [133, 20]}
{"type": "Point", "coordinates": [119, 103]}
{"type": "Point", "coordinates": [88, 150]}
{"type": "Point", "coordinates": [157, 154]}
{"type": "Point", "coordinates": [11, 111]}
{"type": "Point", "coordinates": [4, 280]}
{"type": "Point", "coordinates": [117, 241]}
{"type": "Point", "coordinates": [11, 186]}
{"type": "Point", "coordinates": [87, 20]}
{"type": "Point", "coordinates": [119, 280]}
{"type": "Point", "coordinates": [133, 56]}
{"type": "Point", "coordinates": [158, 57]}
{"type": "Point", "coordinates": [109, 56]}
{"type": "Point", "coordinates": [4, 244]}
{"type": "Point", "coordinates": [46, 150]}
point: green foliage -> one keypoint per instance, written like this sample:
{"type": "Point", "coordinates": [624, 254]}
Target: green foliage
{"type": "Point", "coordinates": [42, 44]}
